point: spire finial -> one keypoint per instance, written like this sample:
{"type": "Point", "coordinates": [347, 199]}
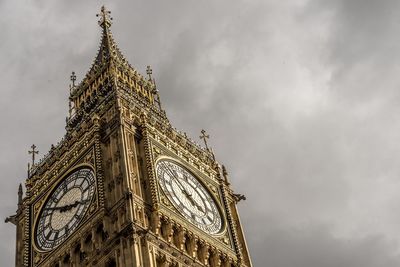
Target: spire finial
{"type": "Point", "coordinates": [73, 79]}
{"type": "Point", "coordinates": [105, 18]}
{"type": "Point", "coordinates": [20, 195]}
{"type": "Point", "coordinates": [33, 152]}
{"type": "Point", "coordinates": [149, 72]}
{"type": "Point", "coordinates": [205, 137]}
{"type": "Point", "coordinates": [71, 87]}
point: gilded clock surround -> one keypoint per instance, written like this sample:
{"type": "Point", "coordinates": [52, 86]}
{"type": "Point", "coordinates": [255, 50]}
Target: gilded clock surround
{"type": "Point", "coordinates": [118, 128]}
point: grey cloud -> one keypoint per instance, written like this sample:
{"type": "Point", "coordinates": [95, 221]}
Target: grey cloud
{"type": "Point", "coordinates": [312, 245]}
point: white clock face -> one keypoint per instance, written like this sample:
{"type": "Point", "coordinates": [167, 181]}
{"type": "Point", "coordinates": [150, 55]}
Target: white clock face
{"type": "Point", "coordinates": [65, 208]}
{"type": "Point", "coordinates": [189, 196]}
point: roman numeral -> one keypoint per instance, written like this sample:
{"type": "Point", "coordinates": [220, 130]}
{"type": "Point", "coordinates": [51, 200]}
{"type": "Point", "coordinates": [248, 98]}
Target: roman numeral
{"type": "Point", "coordinates": [40, 230]}
{"type": "Point", "coordinates": [48, 235]}
{"type": "Point", "coordinates": [64, 187]}
{"type": "Point", "coordinates": [56, 235]}
{"type": "Point", "coordinates": [54, 198]}
{"type": "Point", "coordinates": [45, 213]}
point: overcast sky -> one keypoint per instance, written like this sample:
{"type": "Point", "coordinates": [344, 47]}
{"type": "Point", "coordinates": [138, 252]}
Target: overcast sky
{"type": "Point", "coordinates": [301, 99]}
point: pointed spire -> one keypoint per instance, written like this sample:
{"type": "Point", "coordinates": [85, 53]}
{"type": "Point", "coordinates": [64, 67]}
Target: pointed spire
{"type": "Point", "coordinates": [110, 61]}
{"type": "Point", "coordinates": [108, 57]}
{"type": "Point", "coordinates": [108, 51]}
{"type": "Point", "coordinates": [149, 72]}
{"type": "Point", "coordinates": [107, 42]}
{"type": "Point", "coordinates": [71, 88]}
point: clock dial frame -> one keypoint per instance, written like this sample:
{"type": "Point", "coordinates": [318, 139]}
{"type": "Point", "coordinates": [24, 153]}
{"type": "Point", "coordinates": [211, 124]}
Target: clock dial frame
{"type": "Point", "coordinates": [65, 208]}
{"type": "Point", "coordinates": [189, 196]}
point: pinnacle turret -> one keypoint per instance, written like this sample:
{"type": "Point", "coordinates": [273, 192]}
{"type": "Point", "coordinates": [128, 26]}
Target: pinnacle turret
{"type": "Point", "coordinates": [20, 195]}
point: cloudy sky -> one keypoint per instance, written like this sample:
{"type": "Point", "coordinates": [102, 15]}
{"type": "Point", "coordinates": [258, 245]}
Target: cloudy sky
{"type": "Point", "coordinates": [301, 99]}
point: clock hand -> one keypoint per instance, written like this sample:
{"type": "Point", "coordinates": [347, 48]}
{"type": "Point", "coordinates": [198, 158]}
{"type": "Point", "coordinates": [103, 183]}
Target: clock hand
{"type": "Point", "coordinates": [194, 202]}
{"type": "Point", "coordinates": [183, 189]}
{"type": "Point", "coordinates": [189, 196]}
{"type": "Point", "coordinates": [175, 175]}
{"type": "Point", "coordinates": [53, 208]}
{"type": "Point", "coordinates": [70, 206]}
{"type": "Point", "coordinates": [67, 207]}
{"type": "Point", "coordinates": [73, 205]}
{"type": "Point", "coordinates": [61, 209]}
{"type": "Point", "coordinates": [198, 206]}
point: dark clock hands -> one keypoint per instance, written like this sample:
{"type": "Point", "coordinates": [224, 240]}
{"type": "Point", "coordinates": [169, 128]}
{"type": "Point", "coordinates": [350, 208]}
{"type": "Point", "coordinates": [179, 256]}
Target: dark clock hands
{"type": "Point", "coordinates": [188, 195]}
{"type": "Point", "coordinates": [68, 207]}
{"type": "Point", "coordinates": [199, 207]}
{"type": "Point", "coordinates": [176, 176]}
{"type": "Point", "coordinates": [192, 201]}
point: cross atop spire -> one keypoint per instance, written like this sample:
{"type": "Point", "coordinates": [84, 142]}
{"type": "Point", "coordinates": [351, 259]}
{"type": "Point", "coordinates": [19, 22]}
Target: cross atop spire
{"type": "Point", "coordinates": [205, 137]}
{"type": "Point", "coordinates": [105, 18]}
{"type": "Point", "coordinates": [33, 152]}
{"type": "Point", "coordinates": [73, 78]}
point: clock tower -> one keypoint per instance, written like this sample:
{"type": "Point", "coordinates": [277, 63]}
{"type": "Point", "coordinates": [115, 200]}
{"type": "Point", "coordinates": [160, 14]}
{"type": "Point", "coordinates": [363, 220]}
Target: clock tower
{"type": "Point", "coordinates": [124, 187]}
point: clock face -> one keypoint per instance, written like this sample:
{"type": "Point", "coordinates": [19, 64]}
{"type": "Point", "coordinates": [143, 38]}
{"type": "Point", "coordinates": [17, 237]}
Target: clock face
{"type": "Point", "coordinates": [189, 196]}
{"type": "Point", "coordinates": [65, 208]}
